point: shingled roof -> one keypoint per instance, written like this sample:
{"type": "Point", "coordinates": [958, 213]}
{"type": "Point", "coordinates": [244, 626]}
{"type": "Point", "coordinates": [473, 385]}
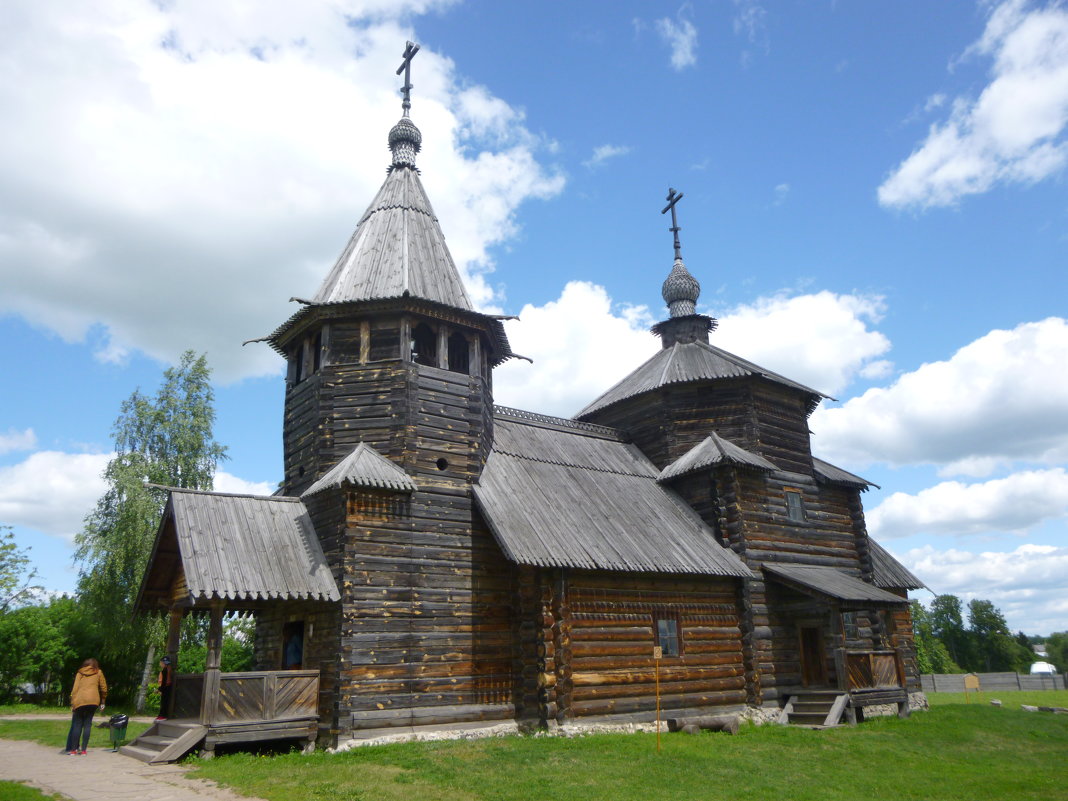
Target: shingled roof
{"type": "Point", "coordinates": [557, 493]}
{"type": "Point", "coordinates": [828, 581]}
{"type": "Point", "coordinates": [364, 467]}
{"type": "Point", "coordinates": [890, 573]}
{"type": "Point", "coordinates": [690, 361]}
{"type": "Point", "coordinates": [713, 451]}
{"type": "Point", "coordinates": [242, 548]}
{"type": "Point", "coordinates": [397, 250]}
{"type": "Point", "coordinates": [829, 474]}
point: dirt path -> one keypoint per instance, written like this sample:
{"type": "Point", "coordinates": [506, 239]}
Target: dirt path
{"type": "Point", "coordinates": [102, 775]}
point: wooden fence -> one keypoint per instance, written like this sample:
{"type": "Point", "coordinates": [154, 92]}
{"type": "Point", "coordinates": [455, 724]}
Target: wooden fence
{"type": "Point", "coordinates": [991, 682]}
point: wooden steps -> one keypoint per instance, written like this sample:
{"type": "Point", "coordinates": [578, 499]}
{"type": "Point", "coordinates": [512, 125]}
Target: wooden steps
{"type": "Point", "coordinates": [166, 741]}
{"type": "Point", "coordinates": [814, 708]}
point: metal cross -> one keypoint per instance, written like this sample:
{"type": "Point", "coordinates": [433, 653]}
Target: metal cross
{"type": "Point", "coordinates": [674, 197]}
{"type": "Point", "coordinates": [410, 49]}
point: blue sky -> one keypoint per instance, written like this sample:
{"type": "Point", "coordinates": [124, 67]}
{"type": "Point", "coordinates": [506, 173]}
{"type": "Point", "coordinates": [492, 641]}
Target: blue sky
{"type": "Point", "coordinates": [874, 205]}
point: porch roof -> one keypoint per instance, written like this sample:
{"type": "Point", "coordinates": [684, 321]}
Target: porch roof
{"type": "Point", "coordinates": [831, 583]}
{"type": "Point", "coordinates": [238, 548]}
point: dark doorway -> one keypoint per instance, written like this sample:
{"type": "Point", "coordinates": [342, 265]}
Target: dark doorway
{"type": "Point", "coordinates": [293, 645]}
{"type": "Point", "coordinates": [813, 669]}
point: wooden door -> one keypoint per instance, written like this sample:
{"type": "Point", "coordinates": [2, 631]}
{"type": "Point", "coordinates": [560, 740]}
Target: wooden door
{"type": "Point", "coordinates": [813, 667]}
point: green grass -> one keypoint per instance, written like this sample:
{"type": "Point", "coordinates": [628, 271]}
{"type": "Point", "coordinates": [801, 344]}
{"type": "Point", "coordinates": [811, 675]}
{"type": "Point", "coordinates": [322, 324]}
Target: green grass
{"type": "Point", "coordinates": [53, 733]}
{"type": "Point", "coordinates": [13, 791]}
{"type": "Point", "coordinates": [954, 752]}
{"type": "Point", "coordinates": [1010, 699]}
{"type": "Point", "coordinates": [32, 709]}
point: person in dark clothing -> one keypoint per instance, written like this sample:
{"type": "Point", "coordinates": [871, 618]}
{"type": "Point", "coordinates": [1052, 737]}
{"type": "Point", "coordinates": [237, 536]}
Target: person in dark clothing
{"type": "Point", "coordinates": [88, 694]}
{"type": "Point", "coordinates": [166, 685]}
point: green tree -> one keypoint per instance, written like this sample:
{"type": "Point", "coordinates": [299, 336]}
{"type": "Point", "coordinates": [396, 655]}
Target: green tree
{"type": "Point", "coordinates": [33, 651]}
{"type": "Point", "coordinates": [931, 653]}
{"type": "Point", "coordinates": [1057, 648]}
{"type": "Point", "coordinates": [163, 440]}
{"type": "Point", "coordinates": [16, 574]}
{"type": "Point", "coordinates": [995, 648]}
{"type": "Point", "coordinates": [947, 624]}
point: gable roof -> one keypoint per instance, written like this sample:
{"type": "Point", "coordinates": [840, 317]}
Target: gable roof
{"type": "Point", "coordinates": [713, 451]}
{"type": "Point", "coordinates": [556, 493]}
{"type": "Point", "coordinates": [236, 547]}
{"type": "Point", "coordinates": [830, 582]}
{"type": "Point", "coordinates": [828, 473]}
{"type": "Point", "coordinates": [397, 250]}
{"type": "Point", "coordinates": [364, 467]}
{"type": "Point", "coordinates": [690, 361]}
{"type": "Point", "coordinates": [888, 572]}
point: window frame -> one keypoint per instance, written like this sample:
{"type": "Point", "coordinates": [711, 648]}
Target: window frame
{"type": "Point", "coordinates": [795, 513]}
{"type": "Point", "coordinates": [671, 617]}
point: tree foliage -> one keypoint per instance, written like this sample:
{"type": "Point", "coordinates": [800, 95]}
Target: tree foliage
{"type": "Point", "coordinates": [932, 656]}
{"type": "Point", "coordinates": [16, 574]}
{"type": "Point", "coordinates": [162, 440]}
{"type": "Point", "coordinates": [1057, 649]}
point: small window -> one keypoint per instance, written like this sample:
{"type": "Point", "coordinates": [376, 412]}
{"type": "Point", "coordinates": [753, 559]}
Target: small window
{"type": "Point", "coordinates": [849, 626]}
{"type": "Point", "coordinates": [666, 632]}
{"type": "Point", "coordinates": [459, 362]}
{"type": "Point", "coordinates": [293, 645]}
{"type": "Point", "coordinates": [317, 351]}
{"type": "Point", "coordinates": [424, 345]}
{"type": "Point", "coordinates": [794, 509]}
{"type": "Point", "coordinates": [298, 363]}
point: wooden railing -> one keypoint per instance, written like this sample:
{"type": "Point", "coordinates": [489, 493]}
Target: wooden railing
{"type": "Point", "coordinates": [870, 670]}
{"type": "Point", "coordinates": [250, 696]}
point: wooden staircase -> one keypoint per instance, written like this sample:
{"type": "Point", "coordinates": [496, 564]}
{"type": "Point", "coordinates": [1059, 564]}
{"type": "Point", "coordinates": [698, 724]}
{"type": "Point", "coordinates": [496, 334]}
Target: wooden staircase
{"type": "Point", "coordinates": [166, 741]}
{"type": "Point", "coordinates": [814, 708]}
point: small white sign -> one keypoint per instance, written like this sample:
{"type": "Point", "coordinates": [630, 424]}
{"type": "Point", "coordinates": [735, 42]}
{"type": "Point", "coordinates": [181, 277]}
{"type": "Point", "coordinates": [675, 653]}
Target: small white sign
{"type": "Point", "coordinates": [658, 652]}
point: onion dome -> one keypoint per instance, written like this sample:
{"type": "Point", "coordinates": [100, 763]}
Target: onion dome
{"type": "Point", "coordinates": [404, 141]}
{"type": "Point", "coordinates": [681, 291]}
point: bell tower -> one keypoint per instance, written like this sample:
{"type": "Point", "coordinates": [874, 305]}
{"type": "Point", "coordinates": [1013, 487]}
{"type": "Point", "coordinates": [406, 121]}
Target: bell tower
{"type": "Point", "coordinates": [388, 422]}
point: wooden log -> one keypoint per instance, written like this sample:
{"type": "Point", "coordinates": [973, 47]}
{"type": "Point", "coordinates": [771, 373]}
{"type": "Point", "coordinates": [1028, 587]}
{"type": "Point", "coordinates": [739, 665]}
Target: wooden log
{"type": "Point", "coordinates": [724, 723]}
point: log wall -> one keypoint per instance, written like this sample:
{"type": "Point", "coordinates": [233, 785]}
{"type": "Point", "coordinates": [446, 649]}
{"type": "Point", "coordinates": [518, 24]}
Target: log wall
{"type": "Point", "coordinates": [611, 644]}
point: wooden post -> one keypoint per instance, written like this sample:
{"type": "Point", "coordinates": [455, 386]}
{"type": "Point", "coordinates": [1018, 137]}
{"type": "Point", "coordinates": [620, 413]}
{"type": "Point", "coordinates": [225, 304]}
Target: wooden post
{"type": "Point", "coordinates": [174, 634]}
{"type": "Point", "coordinates": [210, 699]}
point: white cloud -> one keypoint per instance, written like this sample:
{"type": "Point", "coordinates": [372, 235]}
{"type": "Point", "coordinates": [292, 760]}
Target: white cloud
{"type": "Point", "coordinates": [1013, 504]}
{"type": "Point", "coordinates": [1013, 132]}
{"type": "Point", "coordinates": [749, 21]}
{"type": "Point", "coordinates": [581, 345]}
{"type": "Point", "coordinates": [197, 164]}
{"type": "Point", "coordinates": [1000, 398]}
{"type": "Point", "coordinates": [681, 37]}
{"type": "Point", "coordinates": [1028, 584]}
{"type": "Point", "coordinates": [51, 491]}
{"type": "Point", "coordinates": [836, 345]}
{"type": "Point", "coordinates": [603, 153]}
{"type": "Point", "coordinates": [225, 482]}
{"type": "Point", "coordinates": [781, 192]}
{"type": "Point", "coordinates": [15, 440]}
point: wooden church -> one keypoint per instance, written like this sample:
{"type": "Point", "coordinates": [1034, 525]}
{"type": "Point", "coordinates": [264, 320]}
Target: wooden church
{"type": "Point", "coordinates": [434, 561]}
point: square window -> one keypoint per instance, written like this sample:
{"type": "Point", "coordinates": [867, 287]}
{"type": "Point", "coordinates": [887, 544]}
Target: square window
{"type": "Point", "coordinates": [666, 630]}
{"type": "Point", "coordinates": [849, 626]}
{"type": "Point", "coordinates": [794, 509]}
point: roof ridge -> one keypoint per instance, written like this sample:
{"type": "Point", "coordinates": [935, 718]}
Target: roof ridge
{"type": "Point", "coordinates": [191, 491]}
{"type": "Point", "coordinates": [559, 463]}
{"type": "Point", "coordinates": [556, 423]}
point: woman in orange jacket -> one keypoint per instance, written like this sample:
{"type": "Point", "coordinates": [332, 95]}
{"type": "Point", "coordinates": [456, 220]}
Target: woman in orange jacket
{"type": "Point", "coordinates": [89, 692]}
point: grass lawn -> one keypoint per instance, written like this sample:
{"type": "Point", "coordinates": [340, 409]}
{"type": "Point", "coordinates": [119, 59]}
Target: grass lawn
{"type": "Point", "coordinates": [13, 791]}
{"type": "Point", "coordinates": [53, 733]}
{"type": "Point", "coordinates": [955, 751]}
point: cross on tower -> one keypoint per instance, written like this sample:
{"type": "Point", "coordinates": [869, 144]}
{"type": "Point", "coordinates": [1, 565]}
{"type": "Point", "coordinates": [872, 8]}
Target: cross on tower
{"type": "Point", "coordinates": [674, 197]}
{"type": "Point", "coordinates": [410, 49]}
